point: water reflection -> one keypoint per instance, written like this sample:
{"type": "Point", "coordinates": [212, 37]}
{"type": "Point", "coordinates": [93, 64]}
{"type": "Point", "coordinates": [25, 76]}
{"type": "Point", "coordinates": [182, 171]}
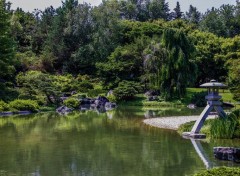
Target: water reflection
{"type": "Point", "coordinates": [88, 143]}
{"type": "Point", "coordinates": [201, 153]}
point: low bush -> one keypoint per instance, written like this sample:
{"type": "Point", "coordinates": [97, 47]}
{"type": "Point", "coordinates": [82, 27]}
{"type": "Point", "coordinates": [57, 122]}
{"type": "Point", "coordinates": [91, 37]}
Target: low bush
{"type": "Point", "coordinates": [95, 92]}
{"type": "Point", "coordinates": [85, 86]}
{"type": "Point", "coordinates": [71, 103]}
{"type": "Point", "coordinates": [198, 99]}
{"type": "Point", "coordinates": [224, 171]}
{"type": "Point", "coordinates": [3, 106]}
{"type": "Point", "coordinates": [79, 96]}
{"type": "Point", "coordinates": [24, 105]}
{"type": "Point", "coordinates": [112, 98]}
{"type": "Point", "coordinates": [126, 90]}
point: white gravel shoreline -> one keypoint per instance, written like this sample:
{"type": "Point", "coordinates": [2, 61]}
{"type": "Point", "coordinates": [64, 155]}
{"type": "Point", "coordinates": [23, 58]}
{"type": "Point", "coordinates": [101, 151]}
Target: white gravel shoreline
{"type": "Point", "coordinates": [171, 122]}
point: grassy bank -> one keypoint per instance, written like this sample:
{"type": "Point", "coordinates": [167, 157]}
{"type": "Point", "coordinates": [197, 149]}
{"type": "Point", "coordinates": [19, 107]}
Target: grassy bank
{"type": "Point", "coordinates": [218, 128]}
{"type": "Point", "coordinates": [141, 100]}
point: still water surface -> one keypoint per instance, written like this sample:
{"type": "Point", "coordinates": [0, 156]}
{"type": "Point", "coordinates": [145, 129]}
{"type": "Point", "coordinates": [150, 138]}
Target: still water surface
{"type": "Point", "coordinates": [100, 144]}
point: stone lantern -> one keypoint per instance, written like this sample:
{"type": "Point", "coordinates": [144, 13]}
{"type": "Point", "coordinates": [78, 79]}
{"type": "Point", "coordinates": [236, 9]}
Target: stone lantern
{"type": "Point", "coordinates": [213, 102]}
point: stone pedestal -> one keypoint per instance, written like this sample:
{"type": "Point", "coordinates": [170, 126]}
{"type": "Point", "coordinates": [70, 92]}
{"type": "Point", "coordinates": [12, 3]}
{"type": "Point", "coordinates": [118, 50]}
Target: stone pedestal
{"type": "Point", "coordinates": [193, 135]}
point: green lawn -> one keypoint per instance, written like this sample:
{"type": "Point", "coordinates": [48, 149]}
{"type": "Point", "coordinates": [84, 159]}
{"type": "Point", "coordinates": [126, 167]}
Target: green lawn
{"type": "Point", "coordinates": [140, 99]}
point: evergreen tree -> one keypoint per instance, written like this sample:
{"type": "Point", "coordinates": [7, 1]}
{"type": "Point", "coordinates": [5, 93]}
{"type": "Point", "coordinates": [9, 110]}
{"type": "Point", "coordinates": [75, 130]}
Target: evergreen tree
{"type": "Point", "coordinates": [213, 22]}
{"type": "Point", "coordinates": [193, 15]}
{"type": "Point", "coordinates": [177, 14]}
{"type": "Point", "coordinates": [6, 43]}
{"type": "Point", "coordinates": [159, 9]}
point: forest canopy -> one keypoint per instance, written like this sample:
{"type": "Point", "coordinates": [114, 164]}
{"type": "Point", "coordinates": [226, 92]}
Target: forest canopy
{"type": "Point", "coordinates": [119, 40]}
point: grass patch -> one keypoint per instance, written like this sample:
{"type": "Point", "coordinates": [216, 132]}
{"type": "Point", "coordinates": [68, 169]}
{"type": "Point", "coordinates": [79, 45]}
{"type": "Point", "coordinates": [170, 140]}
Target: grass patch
{"type": "Point", "coordinates": [140, 100]}
{"type": "Point", "coordinates": [47, 108]}
{"type": "Point", "coordinates": [218, 128]}
{"type": "Point", "coordinates": [226, 171]}
{"type": "Point", "coordinates": [187, 127]}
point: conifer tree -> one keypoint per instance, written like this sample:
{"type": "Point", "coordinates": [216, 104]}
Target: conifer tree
{"type": "Point", "coordinates": [177, 14]}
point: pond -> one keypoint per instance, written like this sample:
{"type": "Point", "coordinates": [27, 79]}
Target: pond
{"type": "Point", "coordinates": [89, 143]}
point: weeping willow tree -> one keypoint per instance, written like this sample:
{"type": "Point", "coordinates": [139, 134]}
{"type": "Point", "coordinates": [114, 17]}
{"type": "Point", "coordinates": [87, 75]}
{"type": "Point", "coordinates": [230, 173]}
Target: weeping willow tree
{"type": "Point", "coordinates": [168, 63]}
{"type": "Point", "coordinates": [154, 58]}
{"type": "Point", "coordinates": [178, 70]}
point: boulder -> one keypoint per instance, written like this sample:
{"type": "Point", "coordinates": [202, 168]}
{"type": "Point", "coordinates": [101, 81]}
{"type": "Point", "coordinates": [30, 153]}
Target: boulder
{"type": "Point", "coordinates": [227, 153]}
{"type": "Point", "coordinates": [85, 101]}
{"type": "Point", "coordinates": [85, 107]}
{"type": "Point", "coordinates": [63, 110]}
{"type": "Point", "coordinates": [110, 105]}
{"type": "Point", "coordinates": [153, 98]}
{"type": "Point", "coordinates": [152, 93]}
{"type": "Point", "coordinates": [101, 101]}
{"type": "Point", "coordinates": [191, 106]}
{"type": "Point", "coordinates": [110, 92]}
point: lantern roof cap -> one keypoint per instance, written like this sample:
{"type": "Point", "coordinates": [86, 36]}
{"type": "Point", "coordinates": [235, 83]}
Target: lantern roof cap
{"type": "Point", "coordinates": [213, 83]}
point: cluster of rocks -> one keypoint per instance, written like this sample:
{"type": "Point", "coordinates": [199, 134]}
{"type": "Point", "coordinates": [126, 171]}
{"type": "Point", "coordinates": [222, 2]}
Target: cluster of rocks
{"type": "Point", "coordinates": [152, 95]}
{"type": "Point", "coordinates": [227, 153]}
{"type": "Point", "coordinates": [100, 104]}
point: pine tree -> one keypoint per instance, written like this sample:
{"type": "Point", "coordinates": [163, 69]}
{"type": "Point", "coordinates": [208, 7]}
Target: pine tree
{"type": "Point", "coordinates": [193, 15]}
{"type": "Point", "coordinates": [177, 14]}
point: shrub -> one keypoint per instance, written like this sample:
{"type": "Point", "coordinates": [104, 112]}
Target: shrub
{"type": "Point", "coordinates": [198, 99]}
{"type": "Point", "coordinates": [71, 103]}
{"type": "Point", "coordinates": [84, 86]}
{"type": "Point", "coordinates": [24, 105]}
{"type": "Point", "coordinates": [7, 93]}
{"type": "Point", "coordinates": [64, 83]}
{"type": "Point", "coordinates": [126, 90]}
{"type": "Point", "coordinates": [3, 106]}
{"type": "Point", "coordinates": [137, 86]}
{"type": "Point", "coordinates": [95, 92]}
{"type": "Point", "coordinates": [112, 98]}
{"type": "Point", "coordinates": [79, 96]}
{"type": "Point", "coordinates": [226, 171]}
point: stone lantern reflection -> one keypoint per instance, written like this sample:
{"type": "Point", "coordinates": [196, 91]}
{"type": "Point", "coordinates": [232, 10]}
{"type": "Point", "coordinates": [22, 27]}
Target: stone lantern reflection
{"type": "Point", "coordinates": [213, 102]}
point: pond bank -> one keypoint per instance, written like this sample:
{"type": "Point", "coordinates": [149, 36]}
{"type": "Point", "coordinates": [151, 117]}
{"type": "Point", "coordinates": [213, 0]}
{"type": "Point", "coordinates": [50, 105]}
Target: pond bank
{"type": "Point", "coordinates": [172, 123]}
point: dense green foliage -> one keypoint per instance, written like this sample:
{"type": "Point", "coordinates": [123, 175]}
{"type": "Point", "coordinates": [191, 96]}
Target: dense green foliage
{"type": "Point", "coordinates": [198, 99]}
{"type": "Point", "coordinates": [3, 106]}
{"type": "Point", "coordinates": [81, 48]}
{"type": "Point", "coordinates": [226, 171]}
{"type": "Point", "coordinates": [125, 90]}
{"type": "Point", "coordinates": [6, 44]}
{"type": "Point", "coordinates": [22, 105]}
{"type": "Point", "coordinates": [72, 103]}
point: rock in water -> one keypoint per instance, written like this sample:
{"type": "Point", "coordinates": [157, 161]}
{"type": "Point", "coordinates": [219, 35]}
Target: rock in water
{"type": "Point", "coordinates": [63, 110]}
{"type": "Point", "coordinates": [110, 106]}
{"type": "Point", "coordinates": [227, 153]}
{"type": "Point", "coordinates": [101, 101]}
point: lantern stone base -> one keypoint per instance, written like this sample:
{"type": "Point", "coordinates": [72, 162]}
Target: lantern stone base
{"type": "Point", "coordinates": [193, 135]}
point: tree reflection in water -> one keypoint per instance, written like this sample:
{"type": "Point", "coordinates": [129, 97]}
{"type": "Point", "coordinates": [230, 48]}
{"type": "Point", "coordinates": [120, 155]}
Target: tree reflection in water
{"type": "Point", "coordinates": [88, 143]}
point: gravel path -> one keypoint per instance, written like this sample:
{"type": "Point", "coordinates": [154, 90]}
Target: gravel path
{"type": "Point", "coordinates": [171, 122]}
